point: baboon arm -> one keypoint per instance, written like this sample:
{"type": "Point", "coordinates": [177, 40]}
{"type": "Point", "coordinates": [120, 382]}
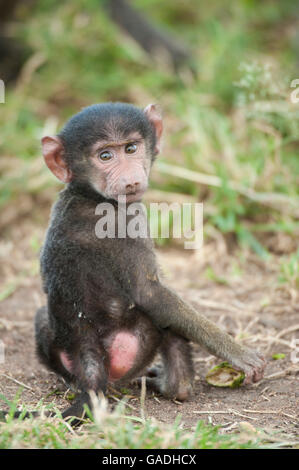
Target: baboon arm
{"type": "Point", "coordinates": [169, 310]}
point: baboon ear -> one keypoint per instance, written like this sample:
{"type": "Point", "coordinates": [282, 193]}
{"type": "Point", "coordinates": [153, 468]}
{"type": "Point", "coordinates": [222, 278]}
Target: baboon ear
{"type": "Point", "coordinates": [154, 116]}
{"type": "Point", "coordinates": [53, 153]}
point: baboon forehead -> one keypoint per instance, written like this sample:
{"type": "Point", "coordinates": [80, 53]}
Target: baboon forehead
{"type": "Point", "coordinates": [105, 121]}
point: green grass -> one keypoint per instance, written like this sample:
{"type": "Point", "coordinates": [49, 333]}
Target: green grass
{"type": "Point", "coordinates": [120, 429]}
{"type": "Point", "coordinates": [133, 432]}
{"type": "Point", "coordinates": [289, 270]}
{"type": "Point", "coordinates": [235, 120]}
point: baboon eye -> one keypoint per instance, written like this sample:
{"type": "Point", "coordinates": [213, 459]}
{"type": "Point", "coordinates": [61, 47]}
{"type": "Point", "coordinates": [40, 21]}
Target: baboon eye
{"type": "Point", "coordinates": [105, 156]}
{"type": "Point", "coordinates": [131, 148]}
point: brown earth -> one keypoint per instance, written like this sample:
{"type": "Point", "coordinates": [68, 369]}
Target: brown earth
{"type": "Point", "coordinates": [237, 290]}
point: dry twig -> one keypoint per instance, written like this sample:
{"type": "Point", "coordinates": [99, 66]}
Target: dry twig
{"type": "Point", "coordinates": [281, 202]}
{"type": "Point", "coordinates": [18, 382]}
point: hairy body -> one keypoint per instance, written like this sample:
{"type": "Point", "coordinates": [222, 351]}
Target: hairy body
{"type": "Point", "coordinates": [95, 319]}
{"type": "Point", "coordinates": [108, 311]}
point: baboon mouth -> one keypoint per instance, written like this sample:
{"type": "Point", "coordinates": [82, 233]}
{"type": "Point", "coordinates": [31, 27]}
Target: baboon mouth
{"type": "Point", "coordinates": [133, 196]}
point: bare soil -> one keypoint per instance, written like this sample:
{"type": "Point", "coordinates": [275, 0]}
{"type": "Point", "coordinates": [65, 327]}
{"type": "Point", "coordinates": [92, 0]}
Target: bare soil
{"type": "Point", "coordinates": [237, 290]}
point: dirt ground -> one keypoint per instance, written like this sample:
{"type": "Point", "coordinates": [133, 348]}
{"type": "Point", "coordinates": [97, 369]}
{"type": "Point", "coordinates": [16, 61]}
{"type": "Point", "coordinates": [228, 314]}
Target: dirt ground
{"type": "Point", "coordinates": [237, 290]}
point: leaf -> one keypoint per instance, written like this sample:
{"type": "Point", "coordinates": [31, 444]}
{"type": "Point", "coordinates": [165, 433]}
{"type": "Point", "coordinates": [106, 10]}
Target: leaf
{"type": "Point", "coordinates": [224, 375]}
{"type": "Point", "coordinates": [278, 356]}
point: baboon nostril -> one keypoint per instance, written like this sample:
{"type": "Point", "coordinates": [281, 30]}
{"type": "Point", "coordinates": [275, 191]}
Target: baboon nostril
{"type": "Point", "coordinates": [131, 188]}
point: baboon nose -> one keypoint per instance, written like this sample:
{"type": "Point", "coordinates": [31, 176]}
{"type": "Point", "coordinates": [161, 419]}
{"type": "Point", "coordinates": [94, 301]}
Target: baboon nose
{"type": "Point", "coordinates": [132, 188]}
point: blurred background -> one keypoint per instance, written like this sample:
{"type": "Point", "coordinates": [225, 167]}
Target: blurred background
{"type": "Point", "coordinates": [222, 72]}
{"type": "Point", "coordinates": [226, 76]}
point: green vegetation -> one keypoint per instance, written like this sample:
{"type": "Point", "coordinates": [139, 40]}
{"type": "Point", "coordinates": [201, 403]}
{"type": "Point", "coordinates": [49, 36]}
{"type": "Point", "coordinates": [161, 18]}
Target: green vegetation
{"type": "Point", "coordinates": [224, 375]}
{"type": "Point", "coordinates": [278, 356]}
{"type": "Point", "coordinates": [133, 432]}
{"type": "Point", "coordinates": [289, 269]}
{"type": "Point", "coordinates": [234, 121]}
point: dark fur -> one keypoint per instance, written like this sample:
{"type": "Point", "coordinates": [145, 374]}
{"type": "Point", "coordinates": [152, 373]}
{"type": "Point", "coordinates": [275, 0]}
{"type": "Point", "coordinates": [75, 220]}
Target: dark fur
{"type": "Point", "coordinates": [97, 287]}
{"type": "Point", "coordinates": [99, 122]}
{"type": "Point", "coordinates": [92, 283]}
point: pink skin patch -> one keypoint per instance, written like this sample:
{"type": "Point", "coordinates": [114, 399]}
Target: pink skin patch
{"type": "Point", "coordinates": [122, 352]}
{"type": "Point", "coordinates": [66, 362]}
